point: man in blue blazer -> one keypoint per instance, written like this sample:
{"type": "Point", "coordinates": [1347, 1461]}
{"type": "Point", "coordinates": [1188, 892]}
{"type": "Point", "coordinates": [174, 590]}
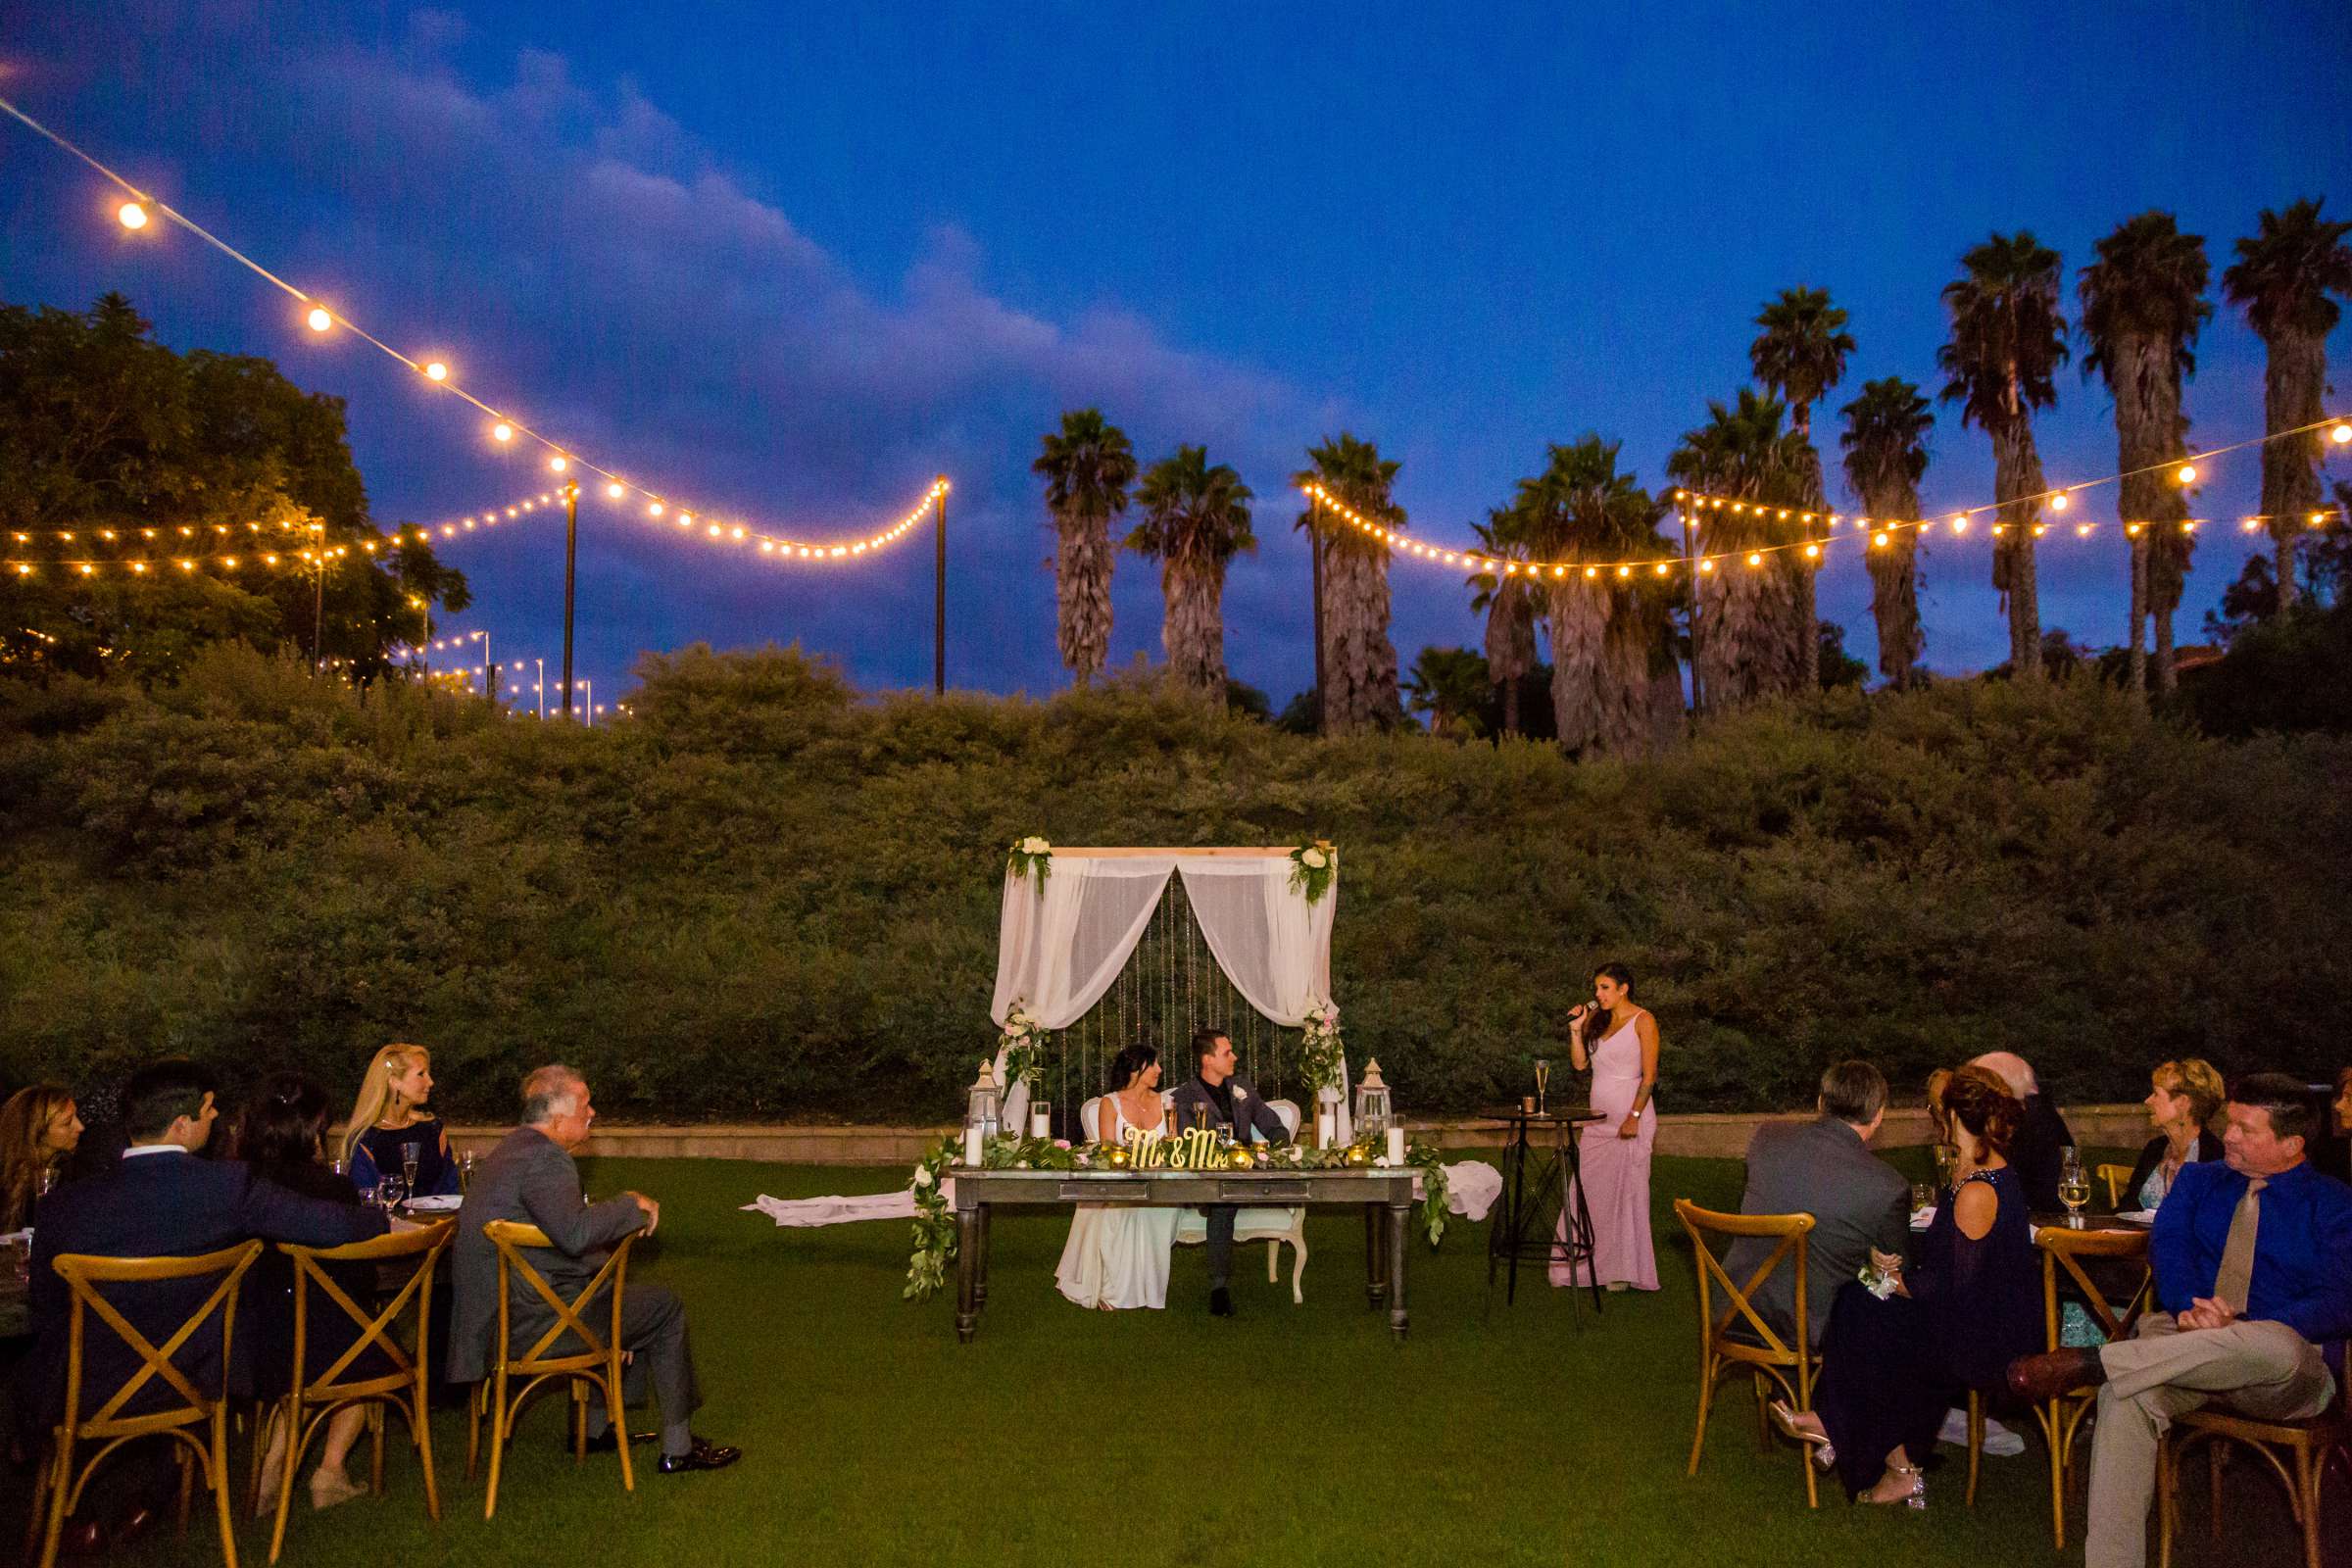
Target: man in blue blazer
{"type": "Point", "coordinates": [159, 1200]}
{"type": "Point", "coordinates": [2253, 1261]}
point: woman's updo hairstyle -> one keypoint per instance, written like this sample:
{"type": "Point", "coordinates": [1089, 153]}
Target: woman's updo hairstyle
{"type": "Point", "coordinates": [1129, 1064]}
{"type": "Point", "coordinates": [1981, 1102]}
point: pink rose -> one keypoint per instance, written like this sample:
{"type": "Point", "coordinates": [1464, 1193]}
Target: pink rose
{"type": "Point", "coordinates": [1062, 1143]}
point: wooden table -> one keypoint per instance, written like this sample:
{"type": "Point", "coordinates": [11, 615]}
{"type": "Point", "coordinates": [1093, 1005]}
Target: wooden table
{"type": "Point", "coordinates": [1385, 1195]}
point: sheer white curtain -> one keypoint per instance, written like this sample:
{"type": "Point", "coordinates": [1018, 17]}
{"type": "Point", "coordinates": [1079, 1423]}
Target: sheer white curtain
{"type": "Point", "coordinates": [1057, 952]}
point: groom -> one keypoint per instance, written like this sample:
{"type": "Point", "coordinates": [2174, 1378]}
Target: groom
{"type": "Point", "coordinates": [1215, 1095]}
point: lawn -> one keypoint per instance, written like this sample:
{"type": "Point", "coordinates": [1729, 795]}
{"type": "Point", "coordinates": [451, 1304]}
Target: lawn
{"type": "Point", "coordinates": [1527, 1434]}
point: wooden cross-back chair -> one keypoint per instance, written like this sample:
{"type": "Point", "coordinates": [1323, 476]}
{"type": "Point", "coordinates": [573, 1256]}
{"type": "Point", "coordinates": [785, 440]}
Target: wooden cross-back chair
{"type": "Point", "coordinates": [1738, 1335]}
{"type": "Point", "coordinates": [312, 1398]}
{"type": "Point", "coordinates": [198, 1426]}
{"type": "Point", "coordinates": [2114, 1176]}
{"type": "Point", "coordinates": [2061, 1419]}
{"type": "Point", "coordinates": [595, 1366]}
{"type": "Point", "coordinates": [2308, 1445]}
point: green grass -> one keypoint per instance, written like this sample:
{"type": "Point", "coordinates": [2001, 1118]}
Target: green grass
{"type": "Point", "coordinates": [1526, 1434]}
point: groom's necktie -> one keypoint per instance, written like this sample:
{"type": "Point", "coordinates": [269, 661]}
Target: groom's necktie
{"type": "Point", "coordinates": [2237, 1249]}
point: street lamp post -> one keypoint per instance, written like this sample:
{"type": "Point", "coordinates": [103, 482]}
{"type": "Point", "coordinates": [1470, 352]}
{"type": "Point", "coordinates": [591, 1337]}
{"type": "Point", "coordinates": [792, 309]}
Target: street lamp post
{"type": "Point", "coordinates": [939, 597]}
{"type": "Point", "coordinates": [587, 701]}
{"type": "Point", "coordinates": [571, 544]}
{"type": "Point", "coordinates": [539, 685]}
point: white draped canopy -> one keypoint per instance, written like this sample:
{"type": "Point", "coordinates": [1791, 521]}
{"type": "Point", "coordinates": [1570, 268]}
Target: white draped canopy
{"type": "Point", "coordinates": [1059, 951]}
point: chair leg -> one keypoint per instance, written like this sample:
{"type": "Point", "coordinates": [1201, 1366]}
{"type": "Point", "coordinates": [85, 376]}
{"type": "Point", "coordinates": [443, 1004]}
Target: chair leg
{"type": "Point", "coordinates": [188, 1490]}
{"type": "Point", "coordinates": [421, 1433]}
{"type": "Point", "coordinates": [1273, 1261]}
{"type": "Point", "coordinates": [620, 1423]}
{"type": "Point", "coordinates": [217, 1471]}
{"type": "Point", "coordinates": [2168, 1497]}
{"type": "Point", "coordinates": [2308, 1474]}
{"type": "Point", "coordinates": [375, 1434]}
{"type": "Point", "coordinates": [52, 1487]}
{"type": "Point", "coordinates": [293, 1417]}
{"type": "Point", "coordinates": [2052, 1424]}
{"type": "Point", "coordinates": [1763, 1415]}
{"type": "Point", "coordinates": [1976, 1440]}
{"type": "Point", "coordinates": [1707, 1400]}
{"type": "Point", "coordinates": [579, 1422]}
{"type": "Point", "coordinates": [1297, 1266]}
{"type": "Point", "coordinates": [2213, 1468]}
{"type": "Point", "coordinates": [498, 1438]}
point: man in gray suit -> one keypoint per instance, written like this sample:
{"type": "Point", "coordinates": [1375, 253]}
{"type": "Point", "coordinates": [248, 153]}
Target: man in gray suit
{"type": "Point", "coordinates": [529, 1178]}
{"type": "Point", "coordinates": [1824, 1167]}
{"type": "Point", "coordinates": [1216, 1097]}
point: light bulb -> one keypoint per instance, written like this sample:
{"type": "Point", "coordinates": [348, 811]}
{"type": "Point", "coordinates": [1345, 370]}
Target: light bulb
{"type": "Point", "coordinates": [559, 465]}
{"type": "Point", "coordinates": [613, 490]}
{"type": "Point", "coordinates": [319, 319]}
{"type": "Point", "coordinates": [132, 216]}
{"type": "Point", "coordinates": [2188, 473]}
{"type": "Point", "coordinates": [436, 371]}
{"type": "Point", "coordinates": [2341, 435]}
{"type": "Point", "coordinates": [2058, 502]}
{"type": "Point", "coordinates": [1755, 561]}
{"type": "Point", "coordinates": [502, 431]}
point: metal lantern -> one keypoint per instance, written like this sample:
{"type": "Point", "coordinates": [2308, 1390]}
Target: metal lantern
{"type": "Point", "coordinates": [985, 1107]}
{"type": "Point", "coordinates": [1374, 1115]}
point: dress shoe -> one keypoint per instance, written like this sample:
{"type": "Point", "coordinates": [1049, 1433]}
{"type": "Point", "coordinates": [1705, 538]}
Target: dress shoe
{"type": "Point", "coordinates": [2038, 1379]}
{"type": "Point", "coordinates": [602, 1442]}
{"type": "Point", "coordinates": [703, 1455]}
{"type": "Point", "coordinates": [1220, 1303]}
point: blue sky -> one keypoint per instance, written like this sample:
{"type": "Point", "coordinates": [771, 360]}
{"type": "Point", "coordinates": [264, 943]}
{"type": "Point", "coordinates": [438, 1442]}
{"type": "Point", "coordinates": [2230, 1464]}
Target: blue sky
{"type": "Point", "coordinates": [792, 261]}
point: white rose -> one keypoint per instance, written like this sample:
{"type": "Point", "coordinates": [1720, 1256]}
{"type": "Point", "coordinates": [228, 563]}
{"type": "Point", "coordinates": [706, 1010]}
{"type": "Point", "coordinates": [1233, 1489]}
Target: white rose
{"type": "Point", "coordinates": [922, 1177]}
{"type": "Point", "coordinates": [1240, 1093]}
{"type": "Point", "coordinates": [1034, 846]}
{"type": "Point", "coordinates": [1314, 860]}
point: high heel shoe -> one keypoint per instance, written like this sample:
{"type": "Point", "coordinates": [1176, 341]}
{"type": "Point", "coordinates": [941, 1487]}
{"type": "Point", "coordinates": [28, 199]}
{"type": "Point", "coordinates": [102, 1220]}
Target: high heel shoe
{"type": "Point", "coordinates": [1916, 1496]}
{"type": "Point", "coordinates": [1825, 1452]}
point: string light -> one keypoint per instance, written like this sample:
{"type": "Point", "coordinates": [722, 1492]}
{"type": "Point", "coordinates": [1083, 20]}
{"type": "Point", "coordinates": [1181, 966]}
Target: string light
{"type": "Point", "coordinates": [507, 426]}
{"type": "Point", "coordinates": [557, 464]}
{"type": "Point", "coordinates": [131, 215]}
{"type": "Point", "coordinates": [2340, 433]}
{"type": "Point", "coordinates": [2188, 473]}
{"type": "Point", "coordinates": [711, 529]}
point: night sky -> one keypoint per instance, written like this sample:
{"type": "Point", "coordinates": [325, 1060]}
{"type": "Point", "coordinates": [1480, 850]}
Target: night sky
{"type": "Point", "coordinates": [791, 262]}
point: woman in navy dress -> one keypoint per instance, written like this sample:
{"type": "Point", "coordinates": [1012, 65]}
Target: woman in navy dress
{"type": "Point", "coordinates": [1892, 1366]}
{"type": "Point", "coordinates": [391, 1115]}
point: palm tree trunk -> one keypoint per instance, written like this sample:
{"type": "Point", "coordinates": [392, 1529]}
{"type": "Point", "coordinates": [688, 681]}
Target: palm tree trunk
{"type": "Point", "coordinates": [1805, 617]}
{"type": "Point", "coordinates": [1510, 704]}
{"type": "Point", "coordinates": [1194, 633]}
{"type": "Point", "coordinates": [1081, 579]}
{"type": "Point", "coordinates": [1579, 621]}
{"type": "Point", "coordinates": [2293, 381]}
{"type": "Point", "coordinates": [2168, 679]}
{"type": "Point", "coordinates": [2136, 668]}
{"type": "Point", "coordinates": [1895, 601]}
{"type": "Point", "coordinates": [1360, 668]}
{"type": "Point", "coordinates": [2016, 478]}
{"type": "Point", "coordinates": [1316, 549]}
{"type": "Point", "coordinates": [1629, 691]}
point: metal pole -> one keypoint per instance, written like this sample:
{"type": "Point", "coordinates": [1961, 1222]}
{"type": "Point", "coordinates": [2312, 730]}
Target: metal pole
{"type": "Point", "coordinates": [489, 675]}
{"type": "Point", "coordinates": [540, 686]}
{"type": "Point", "coordinates": [1314, 546]}
{"type": "Point", "coordinates": [1699, 698]}
{"type": "Point", "coordinates": [587, 701]}
{"type": "Point", "coordinates": [939, 597]}
{"type": "Point", "coordinates": [571, 542]}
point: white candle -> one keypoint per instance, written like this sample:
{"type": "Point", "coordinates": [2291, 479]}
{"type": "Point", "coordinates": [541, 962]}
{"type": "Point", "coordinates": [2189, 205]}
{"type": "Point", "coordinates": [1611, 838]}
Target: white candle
{"type": "Point", "coordinates": [1323, 1129]}
{"type": "Point", "coordinates": [972, 1147]}
{"type": "Point", "coordinates": [1396, 1145]}
{"type": "Point", "coordinates": [1041, 1121]}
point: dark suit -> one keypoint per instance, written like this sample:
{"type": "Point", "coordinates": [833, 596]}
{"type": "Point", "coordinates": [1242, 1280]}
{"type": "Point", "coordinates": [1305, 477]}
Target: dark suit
{"type": "Point", "coordinates": [159, 1205]}
{"type": "Point", "coordinates": [1822, 1169]}
{"type": "Point", "coordinates": [1191, 1098]}
{"type": "Point", "coordinates": [529, 1178]}
{"type": "Point", "coordinates": [2037, 1151]}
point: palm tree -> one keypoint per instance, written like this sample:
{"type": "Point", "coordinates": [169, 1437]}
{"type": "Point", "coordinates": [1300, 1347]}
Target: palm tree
{"type": "Point", "coordinates": [2281, 278]}
{"type": "Point", "coordinates": [1510, 605]}
{"type": "Point", "coordinates": [1449, 685]}
{"type": "Point", "coordinates": [1741, 644]}
{"type": "Point", "coordinates": [2007, 343]}
{"type": "Point", "coordinates": [1606, 627]}
{"type": "Point", "coordinates": [1358, 663]}
{"type": "Point", "coordinates": [1088, 467]}
{"type": "Point", "coordinates": [2143, 301]}
{"type": "Point", "coordinates": [1799, 356]}
{"type": "Point", "coordinates": [1885, 453]}
{"type": "Point", "coordinates": [1196, 520]}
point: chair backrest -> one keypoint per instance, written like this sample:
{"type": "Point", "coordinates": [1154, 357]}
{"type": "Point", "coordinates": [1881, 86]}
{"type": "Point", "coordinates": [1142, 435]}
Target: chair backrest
{"type": "Point", "coordinates": [1090, 1117]}
{"type": "Point", "coordinates": [510, 1238]}
{"type": "Point", "coordinates": [2060, 1247]}
{"type": "Point", "coordinates": [2114, 1176]}
{"type": "Point", "coordinates": [427, 1243]}
{"type": "Point", "coordinates": [83, 1274]}
{"type": "Point", "coordinates": [1791, 1231]}
{"type": "Point", "coordinates": [1288, 1110]}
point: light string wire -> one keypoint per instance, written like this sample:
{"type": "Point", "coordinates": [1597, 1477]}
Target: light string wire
{"type": "Point", "coordinates": [509, 424]}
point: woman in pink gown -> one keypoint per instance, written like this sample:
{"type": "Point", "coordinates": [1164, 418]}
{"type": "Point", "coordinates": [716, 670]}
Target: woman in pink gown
{"type": "Point", "coordinates": [1619, 1040]}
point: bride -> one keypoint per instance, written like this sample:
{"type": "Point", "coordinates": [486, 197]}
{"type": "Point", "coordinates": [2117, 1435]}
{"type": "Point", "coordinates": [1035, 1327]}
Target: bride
{"type": "Point", "coordinates": [1117, 1256]}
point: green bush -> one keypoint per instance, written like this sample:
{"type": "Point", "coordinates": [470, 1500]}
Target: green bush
{"type": "Point", "coordinates": [766, 897]}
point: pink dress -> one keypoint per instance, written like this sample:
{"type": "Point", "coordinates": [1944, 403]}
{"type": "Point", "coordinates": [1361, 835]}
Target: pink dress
{"type": "Point", "coordinates": [1616, 1171]}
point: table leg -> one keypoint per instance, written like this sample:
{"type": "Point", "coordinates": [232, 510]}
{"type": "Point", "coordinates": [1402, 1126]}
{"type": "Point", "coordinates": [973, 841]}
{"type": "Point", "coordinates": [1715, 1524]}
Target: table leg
{"type": "Point", "coordinates": [1376, 1272]}
{"type": "Point", "coordinates": [980, 1289]}
{"type": "Point", "coordinates": [1399, 1220]}
{"type": "Point", "coordinates": [967, 1274]}
{"type": "Point", "coordinates": [1580, 1222]}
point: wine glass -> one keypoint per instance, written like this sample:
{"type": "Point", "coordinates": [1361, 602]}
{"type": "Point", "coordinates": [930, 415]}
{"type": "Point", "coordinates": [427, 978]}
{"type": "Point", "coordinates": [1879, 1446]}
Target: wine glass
{"type": "Point", "coordinates": [1542, 1081]}
{"type": "Point", "coordinates": [389, 1192]}
{"type": "Point", "coordinates": [1947, 1165]}
{"type": "Point", "coordinates": [2074, 1186]}
{"type": "Point", "coordinates": [410, 1153]}
{"type": "Point", "coordinates": [1923, 1198]}
{"type": "Point", "coordinates": [466, 1170]}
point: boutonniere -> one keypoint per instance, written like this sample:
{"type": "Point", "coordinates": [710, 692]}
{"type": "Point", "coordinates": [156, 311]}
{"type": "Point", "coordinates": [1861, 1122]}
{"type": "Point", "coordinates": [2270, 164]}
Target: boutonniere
{"type": "Point", "coordinates": [1240, 1093]}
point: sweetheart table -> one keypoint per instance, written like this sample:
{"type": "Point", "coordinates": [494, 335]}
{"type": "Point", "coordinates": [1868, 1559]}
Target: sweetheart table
{"type": "Point", "coordinates": [1385, 1194]}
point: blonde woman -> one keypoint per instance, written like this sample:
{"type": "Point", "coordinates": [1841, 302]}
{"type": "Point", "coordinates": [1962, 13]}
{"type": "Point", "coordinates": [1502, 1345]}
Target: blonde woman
{"type": "Point", "coordinates": [2184, 1099]}
{"type": "Point", "coordinates": [391, 1133]}
{"type": "Point", "coordinates": [38, 1128]}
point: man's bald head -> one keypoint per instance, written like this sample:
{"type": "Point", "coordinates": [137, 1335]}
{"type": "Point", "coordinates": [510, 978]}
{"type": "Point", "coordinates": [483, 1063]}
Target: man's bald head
{"type": "Point", "coordinates": [2010, 1068]}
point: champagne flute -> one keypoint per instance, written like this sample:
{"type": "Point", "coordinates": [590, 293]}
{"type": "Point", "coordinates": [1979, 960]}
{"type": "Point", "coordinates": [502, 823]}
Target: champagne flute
{"type": "Point", "coordinates": [1542, 1081]}
{"type": "Point", "coordinates": [410, 1153]}
{"type": "Point", "coordinates": [1947, 1165]}
{"type": "Point", "coordinates": [2074, 1186]}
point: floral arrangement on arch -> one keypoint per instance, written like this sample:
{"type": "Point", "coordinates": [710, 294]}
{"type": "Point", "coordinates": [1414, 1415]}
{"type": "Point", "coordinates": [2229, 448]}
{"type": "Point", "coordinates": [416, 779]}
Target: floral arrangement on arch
{"type": "Point", "coordinates": [1018, 1040]}
{"type": "Point", "coordinates": [1031, 858]}
{"type": "Point", "coordinates": [1312, 866]}
{"type": "Point", "coordinates": [1319, 1046]}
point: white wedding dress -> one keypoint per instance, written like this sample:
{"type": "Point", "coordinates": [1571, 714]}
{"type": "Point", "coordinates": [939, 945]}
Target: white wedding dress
{"type": "Point", "coordinates": [1118, 1257]}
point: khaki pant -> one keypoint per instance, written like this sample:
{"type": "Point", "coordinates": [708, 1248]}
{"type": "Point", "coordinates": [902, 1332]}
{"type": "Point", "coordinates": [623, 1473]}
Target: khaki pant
{"type": "Point", "coordinates": [2266, 1370]}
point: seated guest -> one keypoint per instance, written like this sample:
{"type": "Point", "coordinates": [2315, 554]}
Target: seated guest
{"type": "Point", "coordinates": [2042, 1139]}
{"type": "Point", "coordinates": [1216, 1095]}
{"type": "Point", "coordinates": [1891, 1366]}
{"type": "Point", "coordinates": [389, 1120]}
{"type": "Point", "coordinates": [281, 1134]}
{"type": "Point", "coordinates": [2253, 1261]}
{"type": "Point", "coordinates": [39, 1130]}
{"type": "Point", "coordinates": [159, 1202]}
{"type": "Point", "coordinates": [530, 1179]}
{"type": "Point", "coordinates": [1822, 1167]}
{"type": "Point", "coordinates": [2183, 1098]}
